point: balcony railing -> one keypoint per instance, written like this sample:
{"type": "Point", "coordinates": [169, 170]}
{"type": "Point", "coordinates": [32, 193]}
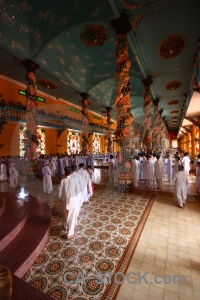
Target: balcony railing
{"type": "Point", "coordinates": [19, 115]}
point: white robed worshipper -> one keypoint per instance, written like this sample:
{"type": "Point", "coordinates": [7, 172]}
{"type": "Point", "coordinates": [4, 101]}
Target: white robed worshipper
{"type": "Point", "coordinates": [142, 160]}
{"type": "Point", "coordinates": [47, 180]}
{"type": "Point", "coordinates": [104, 158]}
{"type": "Point", "coordinates": [158, 172]}
{"type": "Point", "coordinates": [135, 171]}
{"type": "Point", "coordinates": [186, 163]}
{"type": "Point", "coordinates": [198, 176]}
{"type": "Point", "coordinates": [52, 167]}
{"type": "Point", "coordinates": [13, 176]}
{"type": "Point", "coordinates": [181, 181]}
{"type": "Point", "coordinates": [78, 178]}
{"type": "Point", "coordinates": [3, 175]}
{"type": "Point", "coordinates": [68, 192]}
{"type": "Point", "coordinates": [91, 182]}
{"type": "Point", "coordinates": [175, 166]}
{"type": "Point", "coordinates": [85, 178]}
{"type": "Point", "coordinates": [148, 172]}
{"type": "Point", "coordinates": [169, 168]}
{"type": "Point", "coordinates": [111, 171]}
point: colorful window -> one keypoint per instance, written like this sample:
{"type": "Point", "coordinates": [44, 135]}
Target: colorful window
{"type": "Point", "coordinates": [73, 142]}
{"type": "Point", "coordinates": [96, 143]}
{"type": "Point", "coordinates": [23, 137]}
{"type": "Point", "coordinates": [174, 144]}
{"type": "Point", "coordinates": [197, 140]}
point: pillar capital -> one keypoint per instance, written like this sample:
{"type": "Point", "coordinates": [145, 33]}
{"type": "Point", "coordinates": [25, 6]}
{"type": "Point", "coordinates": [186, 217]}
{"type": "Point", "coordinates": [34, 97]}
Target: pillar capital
{"type": "Point", "coordinates": [84, 95]}
{"type": "Point", "coordinates": [147, 82]}
{"type": "Point", "coordinates": [121, 25]}
{"type": "Point", "coordinates": [156, 101]}
{"type": "Point", "coordinates": [30, 65]}
{"type": "Point", "coordinates": [108, 108]}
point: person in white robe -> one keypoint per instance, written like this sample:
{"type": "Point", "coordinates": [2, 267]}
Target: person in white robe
{"type": "Point", "coordinates": [198, 177]}
{"type": "Point", "coordinates": [47, 180]}
{"type": "Point", "coordinates": [169, 168]}
{"type": "Point", "coordinates": [158, 172]}
{"type": "Point", "coordinates": [85, 178]}
{"type": "Point", "coordinates": [52, 167]}
{"type": "Point", "coordinates": [186, 163]}
{"type": "Point", "coordinates": [104, 158]}
{"type": "Point", "coordinates": [78, 178]}
{"type": "Point", "coordinates": [3, 175]}
{"type": "Point", "coordinates": [148, 172]}
{"type": "Point", "coordinates": [175, 167]}
{"type": "Point", "coordinates": [13, 176]}
{"type": "Point", "coordinates": [68, 192]}
{"type": "Point", "coordinates": [181, 181]}
{"type": "Point", "coordinates": [142, 160]}
{"type": "Point", "coordinates": [91, 183]}
{"type": "Point", "coordinates": [111, 170]}
{"type": "Point", "coordinates": [135, 171]}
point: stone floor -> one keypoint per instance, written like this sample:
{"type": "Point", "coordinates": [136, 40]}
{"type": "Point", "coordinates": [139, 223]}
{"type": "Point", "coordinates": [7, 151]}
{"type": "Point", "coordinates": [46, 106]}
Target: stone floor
{"type": "Point", "coordinates": [168, 246]}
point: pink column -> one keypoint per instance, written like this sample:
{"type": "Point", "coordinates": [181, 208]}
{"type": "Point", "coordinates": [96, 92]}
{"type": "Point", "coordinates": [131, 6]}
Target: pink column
{"type": "Point", "coordinates": [109, 134]}
{"type": "Point", "coordinates": [124, 132]}
{"type": "Point", "coordinates": [31, 142]}
{"type": "Point", "coordinates": [147, 124]}
{"type": "Point", "coordinates": [85, 122]}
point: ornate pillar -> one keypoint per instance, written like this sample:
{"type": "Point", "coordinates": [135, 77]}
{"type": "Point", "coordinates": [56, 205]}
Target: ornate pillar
{"type": "Point", "coordinates": [193, 141]}
{"type": "Point", "coordinates": [147, 124]}
{"type": "Point", "coordinates": [109, 134]}
{"type": "Point", "coordinates": [85, 121]}
{"type": "Point", "coordinates": [124, 132]}
{"type": "Point", "coordinates": [31, 142]}
{"type": "Point", "coordinates": [156, 128]}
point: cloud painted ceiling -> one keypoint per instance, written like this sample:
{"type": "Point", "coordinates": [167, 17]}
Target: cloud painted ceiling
{"type": "Point", "coordinates": [54, 35]}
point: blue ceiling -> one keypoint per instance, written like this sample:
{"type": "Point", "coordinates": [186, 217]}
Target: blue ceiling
{"type": "Point", "coordinates": [48, 32]}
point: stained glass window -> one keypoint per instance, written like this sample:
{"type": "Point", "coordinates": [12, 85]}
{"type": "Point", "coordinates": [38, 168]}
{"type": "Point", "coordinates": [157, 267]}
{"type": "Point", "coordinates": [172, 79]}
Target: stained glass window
{"type": "Point", "coordinates": [190, 144]}
{"type": "Point", "coordinates": [174, 144]}
{"type": "Point", "coordinates": [197, 140]}
{"type": "Point", "coordinates": [96, 143]}
{"type": "Point", "coordinates": [40, 137]}
{"type": "Point", "coordinates": [73, 142]}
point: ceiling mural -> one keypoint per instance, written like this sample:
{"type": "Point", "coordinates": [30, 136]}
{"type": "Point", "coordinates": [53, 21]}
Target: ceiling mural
{"type": "Point", "coordinates": [74, 45]}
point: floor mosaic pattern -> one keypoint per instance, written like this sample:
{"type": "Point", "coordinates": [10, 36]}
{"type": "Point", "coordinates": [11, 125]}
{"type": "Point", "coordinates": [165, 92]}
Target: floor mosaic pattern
{"type": "Point", "coordinates": [105, 228]}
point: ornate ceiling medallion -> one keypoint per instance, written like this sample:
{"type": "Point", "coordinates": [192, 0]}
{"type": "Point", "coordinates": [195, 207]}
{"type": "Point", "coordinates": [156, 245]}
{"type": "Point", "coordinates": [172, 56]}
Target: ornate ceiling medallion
{"type": "Point", "coordinates": [47, 84]}
{"type": "Point", "coordinates": [173, 102]}
{"type": "Point", "coordinates": [172, 46]}
{"type": "Point", "coordinates": [94, 35]}
{"type": "Point", "coordinates": [174, 112]}
{"type": "Point", "coordinates": [173, 85]}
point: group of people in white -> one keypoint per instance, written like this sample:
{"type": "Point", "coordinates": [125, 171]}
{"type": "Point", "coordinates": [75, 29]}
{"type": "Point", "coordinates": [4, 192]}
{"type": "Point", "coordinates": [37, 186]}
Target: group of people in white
{"type": "Point", "coordinates": [78, 185]}
{"type": "Point", "coordinates": [152, 168]}
{"type": "Point", "coordinates": [13, 174]}
{"type": "Point", "coordinates": [74, 190]}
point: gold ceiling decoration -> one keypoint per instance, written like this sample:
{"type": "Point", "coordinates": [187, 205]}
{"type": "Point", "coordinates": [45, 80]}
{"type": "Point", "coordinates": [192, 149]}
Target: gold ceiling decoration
{"type": "Point", "coordinates": [174, 112]}
{"type": "Point", "coordinates": [94, 35]}
{"type": "Point", "coordinates": [173, 102]}
{"type": "Point", "coordinates": [173, 85]}
{"type": "Point", "coordinates": [47, 84]}
{"type": "Point", "coordinates": [172, 46]}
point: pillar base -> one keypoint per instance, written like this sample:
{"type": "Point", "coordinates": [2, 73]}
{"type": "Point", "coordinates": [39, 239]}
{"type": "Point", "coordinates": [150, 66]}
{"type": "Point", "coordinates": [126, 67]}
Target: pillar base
{"type": "Point", "coordinates": [125, 185]}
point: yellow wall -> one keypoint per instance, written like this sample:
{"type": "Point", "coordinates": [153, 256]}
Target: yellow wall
{"type": "Point", "coordinates": [10, 135]}
{"type": "Point", "coordinates": [9, 139]}
{"type": "Point", "coordinates": [51, 141]}
{"type": "Point", "coordinates": [62, 142]}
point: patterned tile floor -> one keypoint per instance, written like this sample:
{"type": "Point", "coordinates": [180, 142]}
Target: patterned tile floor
{"type": "Point", "coordinates": [105, 226]}
{"type": "Point", "coordinates": [169, 245]}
